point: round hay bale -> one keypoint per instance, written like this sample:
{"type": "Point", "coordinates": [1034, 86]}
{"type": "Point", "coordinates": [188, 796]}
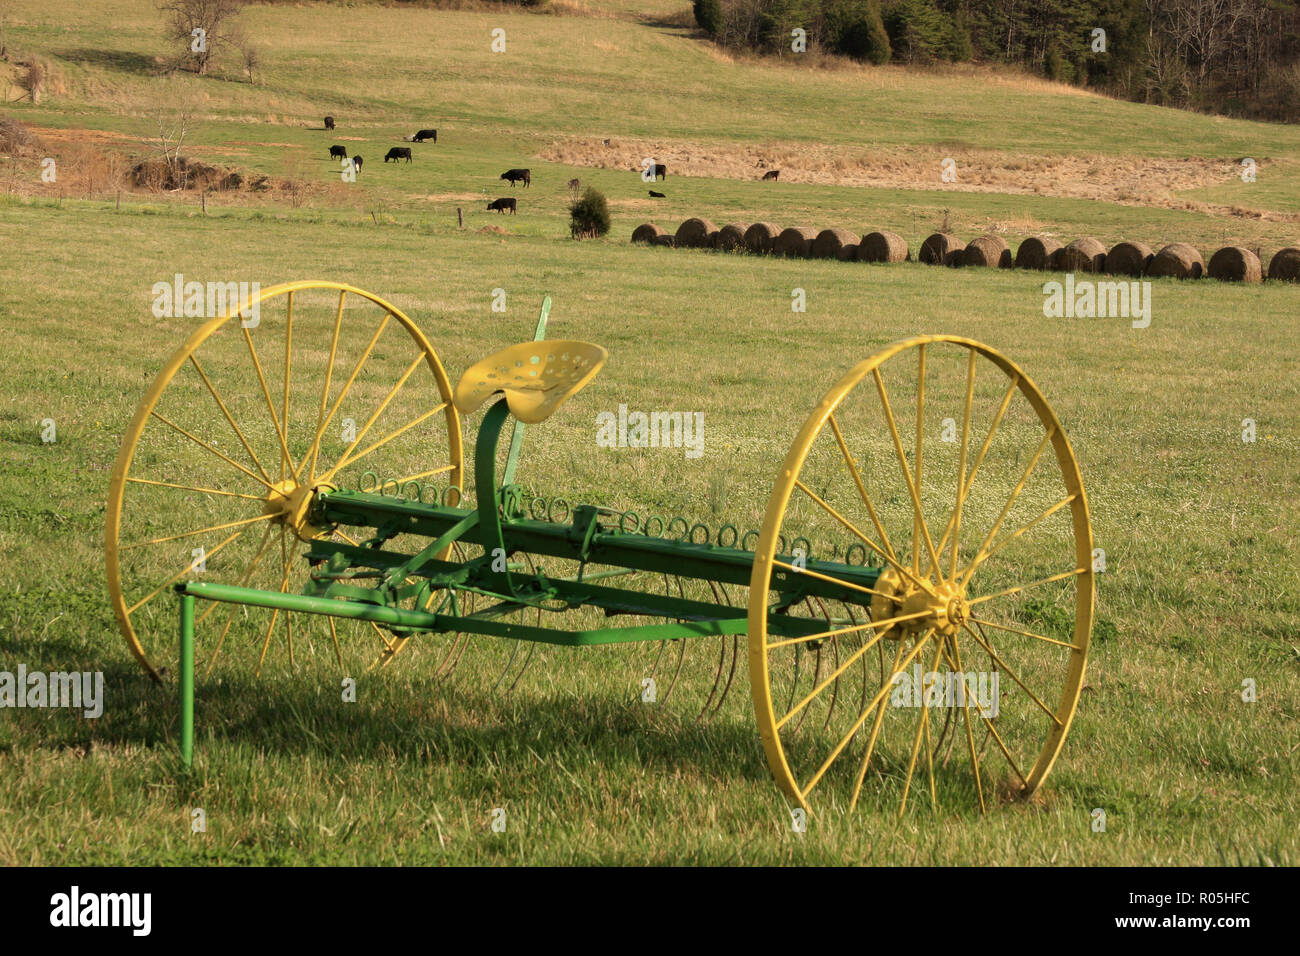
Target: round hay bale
{"type": "Point", "coordinates": [694, 234]}
{"type": "Point", "coordinates": [663, 240]}
{"type": "Point", "coordinates": [760, 236]}
{"type": "Point", "coordinates": [795, 242]}
{"type": "Point", "coordinates": [1178, 260]}
{"type": "Point", "coordinates": [941, 249]}
{"type": "Point", "coordinates": [1128, 259]}
{"type": "Point", "coordinates": [883, 247]}
{"type": "Point", "coordinates": [1082, 255]}
{"type": "Point", "coordinates": [730, 237]}
{"type": "Point", "coordinates": [1285, 265]}
{"type": "Point", "coordinates": [1036, 252]}
{"type": "Point", "coordinates": [1235, 264]}
{"type": "Point", "coordinates": [987, 251]}
{"type": "Point", "coordinates": [835, 244]}
{"type": "Point", "coordinates": [646, 232]}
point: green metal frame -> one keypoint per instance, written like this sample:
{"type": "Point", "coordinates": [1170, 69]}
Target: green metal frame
{"type": "Point", "coordinates": [370, 582]}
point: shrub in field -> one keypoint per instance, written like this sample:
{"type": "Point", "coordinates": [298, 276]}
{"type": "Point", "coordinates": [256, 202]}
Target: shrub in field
{"type": "Point", "coordinates": [589, 216]}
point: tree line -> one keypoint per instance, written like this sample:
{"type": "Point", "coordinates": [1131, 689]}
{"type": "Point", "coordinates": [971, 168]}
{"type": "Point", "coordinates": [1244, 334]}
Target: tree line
{"type": "Point", "coordinates": [1237, 57]}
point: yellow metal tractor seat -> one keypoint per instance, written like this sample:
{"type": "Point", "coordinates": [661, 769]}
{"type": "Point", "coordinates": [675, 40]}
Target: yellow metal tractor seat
{"type": "Point", "coordinates": [535, 377]}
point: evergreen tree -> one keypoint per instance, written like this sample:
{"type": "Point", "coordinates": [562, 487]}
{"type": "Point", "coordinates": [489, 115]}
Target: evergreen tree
{"type": "Point", "coordinates": [708, 14]}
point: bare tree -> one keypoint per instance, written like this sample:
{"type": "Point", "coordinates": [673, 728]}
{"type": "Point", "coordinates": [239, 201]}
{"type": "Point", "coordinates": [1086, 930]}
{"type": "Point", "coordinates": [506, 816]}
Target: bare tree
{"type": "Point", "coordinates": [1203, 30]}
{"type": "Point", "coordinates": [33, 80]}
{"type": "Point", "coordinates": [172, 122]}
{"type": "Point", "coordinates": [202, 26]}
{"type": "Point", "coordinates": [249, 53]}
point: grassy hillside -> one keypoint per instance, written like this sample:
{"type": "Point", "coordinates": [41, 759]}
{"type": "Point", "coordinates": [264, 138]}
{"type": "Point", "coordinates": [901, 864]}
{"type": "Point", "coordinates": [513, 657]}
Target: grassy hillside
{"type": "Point", "coordinates": [1200, 529]}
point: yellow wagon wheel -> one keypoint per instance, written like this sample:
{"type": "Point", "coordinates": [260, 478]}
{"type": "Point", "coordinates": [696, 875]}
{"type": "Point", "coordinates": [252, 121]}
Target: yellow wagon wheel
{"type": "Point", "coordinates": [933, 460]}
{"type": "Point", "coordinates": [307, 385]}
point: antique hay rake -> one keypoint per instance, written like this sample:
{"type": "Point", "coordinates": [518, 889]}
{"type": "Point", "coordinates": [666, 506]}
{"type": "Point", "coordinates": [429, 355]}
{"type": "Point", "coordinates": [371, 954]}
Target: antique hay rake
{"type": "Point", "coordinates": [946, 624]}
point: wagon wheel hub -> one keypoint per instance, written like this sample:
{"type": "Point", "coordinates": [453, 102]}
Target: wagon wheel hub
{"type": "Point", "coordinates": [943, 606]}
{"type": "Point", "coordinates": [291, 503]}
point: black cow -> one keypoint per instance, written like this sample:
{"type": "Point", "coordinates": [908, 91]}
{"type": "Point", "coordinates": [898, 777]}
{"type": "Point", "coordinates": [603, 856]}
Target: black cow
{"type": "Point", "coordinates": [338, 152]}
{"type": "Point", "coordinates": [772, 174]}
{"type": "Point", "coordinates": [501, 205]}
{"type": "Point", "coordinates": [356, 163]}
{"type": "Point", "coordinates": [424, 134]}
{"type": "Point", "coordinates": [398, 152]}
{"type": "Point", "coordinates": [655, 195]}
{"type": "Point", "coordinates": [660, 171]}
{"type": "Point", "coordinates": [329, 122]}
{"type": "Point", "coordinates": [516, 175]}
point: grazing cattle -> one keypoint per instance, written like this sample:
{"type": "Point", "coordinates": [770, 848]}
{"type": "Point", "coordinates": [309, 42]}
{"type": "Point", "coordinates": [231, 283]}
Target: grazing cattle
{"type": "Point", "coordinates": [772, 174]}
{"type": "Point", "coordinates": [338, 152]}
{"type": "Point", "coordinates": [356, 163]}
{"type": "Point", "coordinates": [501, 205]}
{"type": "Point", "coordinates": [424, 134]}
{"type": "Point", "coordinates": [398, 152]}
{"type": "Point", "coordinates": [329, 122]}
{"type": "Point", "coordinates": [660, 171]}
{"type": "Point", "coordinates": [656, 195]}
{"type": "Point", "coordinates": [517, 175]}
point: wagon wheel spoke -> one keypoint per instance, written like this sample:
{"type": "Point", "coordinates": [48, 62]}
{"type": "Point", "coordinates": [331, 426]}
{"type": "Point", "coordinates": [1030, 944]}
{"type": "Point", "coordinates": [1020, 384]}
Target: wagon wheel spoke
{"type": "Point", "coordinates": [970, 730]}
{"type": "Point", "coordinates": [879, 709]}
{"type": "Point", "coordinates": [285, 458]}
{"type": "Point", "coordinates": [347, 387]}
{"type": "Point", "coordinates": [919, 524]}
{"type": "Point", "coordinates": [969, 481]}
{"type": "Point", "coordinates": [845, 740]}
{"type": "Point", "coordinates": [1002, 665]}
{"type": "Point", "coordinates": [922, 723]}
{"type": "Point", "coordinates": [954, 522]}
{"type": "Point", "coordinates": [991, 724]}
{"type": "Point", "coordinates": [862, 489]}
{"type": "Point", "coordinates": [202, 444]}
{"type": "Point", "coordinates": [892, 561]}
{"type": "Point", "coordinates": [314, 451]}
{"type": "Point", "coordinates": [1011, 500]}
{"type": "Point", "coordinates": [225, 412]}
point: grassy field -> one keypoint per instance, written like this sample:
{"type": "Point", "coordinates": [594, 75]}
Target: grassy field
{"type": "Point", "coordinates": [1200, 590]}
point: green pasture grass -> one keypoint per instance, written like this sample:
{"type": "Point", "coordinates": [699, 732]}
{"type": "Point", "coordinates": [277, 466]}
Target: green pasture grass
{"type": "Point", "coordinates": [385, 72]}
{"type": "Point", "coordinates": [1200, 590]}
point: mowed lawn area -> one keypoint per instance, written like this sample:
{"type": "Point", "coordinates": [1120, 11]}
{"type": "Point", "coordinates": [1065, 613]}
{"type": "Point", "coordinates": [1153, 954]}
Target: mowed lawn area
{"type": "Point", "coordinates": [1200, 594]}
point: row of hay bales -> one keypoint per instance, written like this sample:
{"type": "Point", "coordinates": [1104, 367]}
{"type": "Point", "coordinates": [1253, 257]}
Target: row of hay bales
{"type": "Point", "coordinates": [1177, 260]}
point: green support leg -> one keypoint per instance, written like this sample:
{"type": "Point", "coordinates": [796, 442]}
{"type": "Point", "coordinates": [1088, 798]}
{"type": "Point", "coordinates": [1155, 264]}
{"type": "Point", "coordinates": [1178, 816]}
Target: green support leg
{"type": "Point", "coordinates": [187, 678]}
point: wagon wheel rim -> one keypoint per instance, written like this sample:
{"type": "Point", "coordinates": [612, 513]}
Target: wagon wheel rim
{"type": "Point", "coordinates": [943, 589]}
{"type": "Point", "coordinates": [265, 465]}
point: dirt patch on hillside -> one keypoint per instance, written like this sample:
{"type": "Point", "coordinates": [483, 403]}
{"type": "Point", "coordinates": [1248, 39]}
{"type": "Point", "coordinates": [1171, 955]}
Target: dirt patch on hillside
{"type": "Point", "coordinates": [450, 197]}
{"type": "Point", "coordinates": [1128, 180]}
